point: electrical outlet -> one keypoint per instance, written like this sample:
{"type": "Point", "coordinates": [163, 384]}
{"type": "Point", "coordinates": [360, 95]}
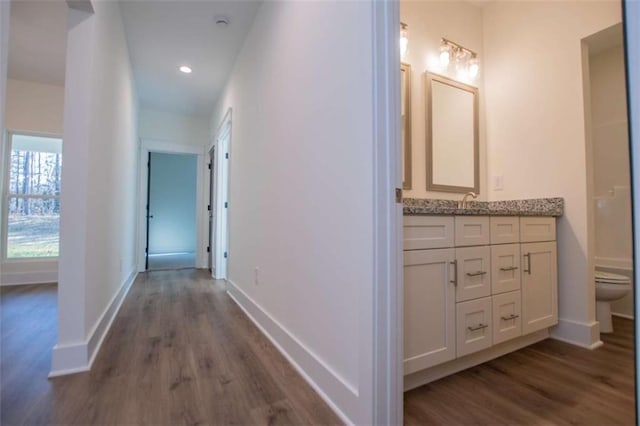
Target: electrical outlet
{"type": "Point", "coordinates": [255, 275]}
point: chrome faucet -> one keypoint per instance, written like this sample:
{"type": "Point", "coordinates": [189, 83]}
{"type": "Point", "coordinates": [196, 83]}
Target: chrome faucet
{"type": "Point", "coordinates": [463, 204]}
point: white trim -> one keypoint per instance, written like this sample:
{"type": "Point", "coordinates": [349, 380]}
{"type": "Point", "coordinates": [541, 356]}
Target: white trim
{"type": "Point", "coordinates": [79, 357]}
{"type": "Point", "coordinates": [222, 144]}
{"type": "Point", "coordinates": [29, 277]}
{"type": "Point", "coordinates": [625, 316]}
{"type": "Point", "coordinates": [318, 374]}
{"type": "Point", "coordinates": [167, 147]}
{"type": "Point", "coordinates": [585, 335]}
{"type": "Point", "coordinates": [387, 288]}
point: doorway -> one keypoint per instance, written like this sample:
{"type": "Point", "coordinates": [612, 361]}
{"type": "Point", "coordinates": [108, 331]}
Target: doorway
{"type": "Point", "coordinates": [171, 211]}
{"type": "Point", "coordinates": [220, 157]}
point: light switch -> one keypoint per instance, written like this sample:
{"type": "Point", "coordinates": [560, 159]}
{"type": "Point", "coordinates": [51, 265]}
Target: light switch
{"type": "Point", "coordinates": [498, 183]}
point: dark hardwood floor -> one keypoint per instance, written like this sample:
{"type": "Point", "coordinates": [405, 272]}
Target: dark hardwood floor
{"type": "Point", "coordinates": [547, 383]}
{"type": "Point", "coordinates": [179, 352]}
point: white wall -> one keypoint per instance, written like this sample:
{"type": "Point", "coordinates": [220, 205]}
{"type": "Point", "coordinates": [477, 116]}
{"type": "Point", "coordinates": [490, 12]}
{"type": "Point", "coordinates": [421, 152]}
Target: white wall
{"type": "Point", "coordinates": [173, 127]}
{"type": "Point", "coordinates": [98, 219]}
{"type": "Point", "coordinates": [32, 107]}
{"type": "Point", "coordinates": [536, 129]}
{"type": "Point", "coordinates": [428, 22]}
{"type": "Point", "coordinates": [301, 182]}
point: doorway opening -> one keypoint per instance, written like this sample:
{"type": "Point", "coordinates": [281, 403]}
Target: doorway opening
{"type": "Point", "coordinates": [171, 241]}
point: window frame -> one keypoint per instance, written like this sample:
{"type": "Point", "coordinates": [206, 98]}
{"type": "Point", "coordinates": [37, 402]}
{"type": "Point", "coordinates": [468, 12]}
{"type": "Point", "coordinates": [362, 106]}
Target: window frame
{"type": "Point", "coordinates": [6, 178]}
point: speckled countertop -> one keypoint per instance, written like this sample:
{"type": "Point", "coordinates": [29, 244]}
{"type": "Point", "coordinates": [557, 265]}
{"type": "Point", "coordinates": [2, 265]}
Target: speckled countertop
{"type": "Point", "coordinates": [532, 207]}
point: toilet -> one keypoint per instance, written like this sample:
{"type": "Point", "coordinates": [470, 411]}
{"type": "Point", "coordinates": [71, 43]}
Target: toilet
{"type": "Point", "coordinates": [609, 288]}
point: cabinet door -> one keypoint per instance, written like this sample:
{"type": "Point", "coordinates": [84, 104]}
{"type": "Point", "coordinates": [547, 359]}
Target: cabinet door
{"type": "Point", "coordinates": [507, 316]}
{"type": "Point", "coordinates": [534, 229]}
{"type": "Point", "coordinates": [474, 326]}
{"type": "Point", "coordinates": [505, 268]}
{"type": "Point", "coordinates": [473, 278]}
{"type": "Point", "coordinates": [505, 229]}
{"type": "Point", "coordinates": [429, 309]}
{"type": "Point", "coordinates": [539, 286]}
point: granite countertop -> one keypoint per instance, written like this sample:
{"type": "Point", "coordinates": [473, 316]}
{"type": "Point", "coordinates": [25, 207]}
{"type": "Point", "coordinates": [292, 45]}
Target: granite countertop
{"type": "Point", "coordinates": [531, 207]}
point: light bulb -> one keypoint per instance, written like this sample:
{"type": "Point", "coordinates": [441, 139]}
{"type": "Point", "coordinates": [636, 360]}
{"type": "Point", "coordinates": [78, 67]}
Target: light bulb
{"type": "Point", "coordinates": [474, 67]}
{"type": "Point", "coordinates": [445, 56]}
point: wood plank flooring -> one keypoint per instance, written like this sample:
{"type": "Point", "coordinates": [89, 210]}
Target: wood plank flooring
{"type": "Point", "coordinates": [179, 352]}
{"type": "Point", "coordinates": [547, 383]}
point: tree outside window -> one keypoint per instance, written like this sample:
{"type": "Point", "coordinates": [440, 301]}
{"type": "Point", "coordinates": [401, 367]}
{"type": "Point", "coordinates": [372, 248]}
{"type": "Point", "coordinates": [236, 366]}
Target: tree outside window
{"type": "Point", "coordinates": [33, 197]}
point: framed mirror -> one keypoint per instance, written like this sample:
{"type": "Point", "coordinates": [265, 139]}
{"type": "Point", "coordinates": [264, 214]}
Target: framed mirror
{"type": "Point", "coordinates": [452, 135]}
{"type": "Point", "coordinates": [405, 101]}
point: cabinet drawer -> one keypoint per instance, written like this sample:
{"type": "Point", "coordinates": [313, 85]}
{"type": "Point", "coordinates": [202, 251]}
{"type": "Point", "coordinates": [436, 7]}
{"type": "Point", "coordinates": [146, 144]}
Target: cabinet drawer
{"type": "Point", "coordinates": [533, 229]}
{"type": "Point", "coordinates": [472, 230]}
{"type": "Point", "coordinates": [473, 273]}
{"type": "Point", "coordinates": [473, 326]}
{"type": "Point", "coordinates": [505, 268]}
{"type": "Point", "coordinates": [427, 232]}
{"type": "Point", "coordinates": [507, 320]}
{"type": "Point", "coordinates": [505, 229]}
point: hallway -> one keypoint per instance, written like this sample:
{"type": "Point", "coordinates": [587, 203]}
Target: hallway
{"type": "Point", "coordinates": [179, 352]}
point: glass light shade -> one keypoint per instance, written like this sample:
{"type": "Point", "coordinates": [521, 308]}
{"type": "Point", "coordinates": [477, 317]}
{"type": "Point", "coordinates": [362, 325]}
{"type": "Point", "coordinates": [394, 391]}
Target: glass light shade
{"type": "Point", "coordinates": [445, 56]}
{"type": "Point", "coordinates": [474, 67]}
{"type": "Point", "coordinates": [404, 44]}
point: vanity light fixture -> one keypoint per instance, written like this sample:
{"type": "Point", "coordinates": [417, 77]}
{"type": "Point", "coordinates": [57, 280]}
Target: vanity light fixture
{"type": "Point", "coordinates": [404, 40]}
{"type": "Point", "coordinates": [466, 60]}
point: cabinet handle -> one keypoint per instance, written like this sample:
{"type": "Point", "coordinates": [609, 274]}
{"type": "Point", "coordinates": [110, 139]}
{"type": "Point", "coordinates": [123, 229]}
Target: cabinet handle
{"type": "Point", "coordinates": [510, 317]}
{"type": "Point", "coordinates": [454, 281]}
{"type": "Point", "coordinates": [475, 274]}
{"type": "Point", "coordinates": [528, 270]}
{"type": "Point", "coordinates": [478, 327]}
{"type": "Point", "coordinates": [510, 268]}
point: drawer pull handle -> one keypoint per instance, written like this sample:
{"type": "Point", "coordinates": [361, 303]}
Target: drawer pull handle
{"type": "Point", "coordinates": [510, 268]}
{"type": "Point", "coordinates": [528, 270]}
{"type": "Point", "coordinates": [510, 317]}
{"type": "Point", "coordinates": [454, 281]}
{"type": "Point", "coordinates": [478, 327]}
{"type": "Point", "coordinates": [475, 274]}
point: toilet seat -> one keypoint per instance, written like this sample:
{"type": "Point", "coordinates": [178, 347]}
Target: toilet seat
{"type": "Point", "coordinates": [610, 278]}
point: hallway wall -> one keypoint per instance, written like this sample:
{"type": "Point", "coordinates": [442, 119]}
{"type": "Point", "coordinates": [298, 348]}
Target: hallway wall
{"type": "Point", "coordinates": [173, 127]}
{"type": "Point", "coordinates": [301, 190]}
{"type": "Point", "coordinates": [98, 218]}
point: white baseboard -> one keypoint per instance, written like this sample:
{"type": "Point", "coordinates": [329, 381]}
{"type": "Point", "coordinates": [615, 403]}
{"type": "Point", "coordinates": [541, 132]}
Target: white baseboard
{"type": "Point", "coordinates": [334, 390]}
{"type": "Point", "coordinates": [79, 357]}
{"type": "Point", "coordinates": [28, 278]}
{"type": "Point", "coordinates": [586, 335]}
{"type": "Point", "coordinates": [625, 316]}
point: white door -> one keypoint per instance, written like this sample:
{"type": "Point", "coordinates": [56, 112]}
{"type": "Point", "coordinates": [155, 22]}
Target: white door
{"type": "Point", "coordinates": [221, 213]}
{"type": "Point", "coordinates": [539, 286]}
{"type": "Point", "coordinates": [429, 309]}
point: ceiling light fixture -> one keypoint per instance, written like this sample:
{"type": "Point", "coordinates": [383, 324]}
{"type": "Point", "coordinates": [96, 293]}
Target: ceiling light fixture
{"type": "Point", "coordinates": [185, 69]}
{"type": "Point", "coordinates": [466, 60]}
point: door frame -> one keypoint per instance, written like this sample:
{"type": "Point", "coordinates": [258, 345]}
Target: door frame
{"type": "Point", "coordinates": [166, 147]}
{"type": "Point", "coordinates": [221, 143]}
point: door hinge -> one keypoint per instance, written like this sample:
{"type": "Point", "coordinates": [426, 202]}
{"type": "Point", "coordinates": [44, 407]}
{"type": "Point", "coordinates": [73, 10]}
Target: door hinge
{"type": "Point", "coordinates": [226, 155]}
{"type": "Point", "coordinates": [226, 205]}
{"type": "Point", "coordinates": [209, 166]}
{"type": "Point", "coordinates": [209, 207]}
{"type": "Point", "coordinates": [398, 195]}
{"type": "Point", "coordinates": [225, 255]}
{"type": "Point", "coordinates": [208, 249]}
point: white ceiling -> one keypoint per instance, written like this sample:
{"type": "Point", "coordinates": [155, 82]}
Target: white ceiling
{"type": "Point", "coordinates": [163, 35]}
{"type": "Point", "coordinates": [38, 41]}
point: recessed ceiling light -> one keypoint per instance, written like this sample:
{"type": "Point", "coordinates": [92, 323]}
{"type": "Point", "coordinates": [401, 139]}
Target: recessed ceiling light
{"type": "Point", "coordinates": [185, 69]}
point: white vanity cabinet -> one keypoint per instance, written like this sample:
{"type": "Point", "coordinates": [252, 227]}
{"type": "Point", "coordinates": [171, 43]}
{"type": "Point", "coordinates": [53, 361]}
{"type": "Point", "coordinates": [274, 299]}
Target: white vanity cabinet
{"type": "Point", "coordinates": [473, 282]}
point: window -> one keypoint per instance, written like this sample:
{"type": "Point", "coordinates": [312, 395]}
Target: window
{"type": "Point", "coordinates": [32, 203]}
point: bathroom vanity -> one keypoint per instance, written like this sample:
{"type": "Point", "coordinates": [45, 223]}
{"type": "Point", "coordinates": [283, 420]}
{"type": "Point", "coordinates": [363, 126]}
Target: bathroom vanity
{"type": "Point", "coordinates": [479, 282]}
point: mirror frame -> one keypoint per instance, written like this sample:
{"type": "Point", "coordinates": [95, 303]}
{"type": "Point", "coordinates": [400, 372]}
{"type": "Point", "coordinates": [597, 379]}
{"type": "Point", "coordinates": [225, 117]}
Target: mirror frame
{"type": "Point", "coordinates": [406, 179]}
{"type": "Point", "coordinates": [431, 185]}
